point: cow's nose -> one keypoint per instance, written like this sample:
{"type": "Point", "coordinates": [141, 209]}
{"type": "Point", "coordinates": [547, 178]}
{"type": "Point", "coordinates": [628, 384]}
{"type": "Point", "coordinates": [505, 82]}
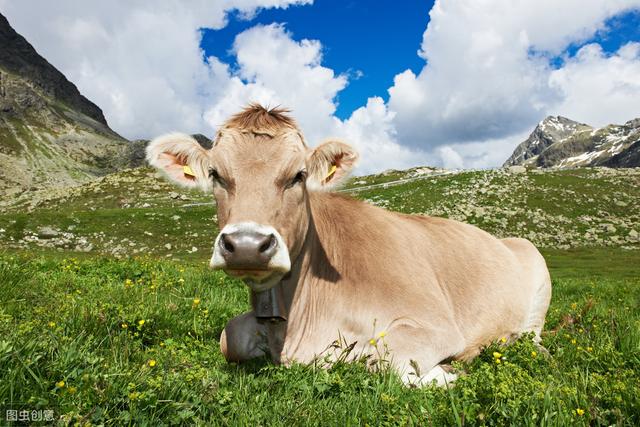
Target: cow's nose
{"type": "Point", "coordinates": [247, 250]}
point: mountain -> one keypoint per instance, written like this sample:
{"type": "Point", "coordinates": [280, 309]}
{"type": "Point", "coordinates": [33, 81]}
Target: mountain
{"type": "Point", "coordinates": [564, 143]}
{"type": "Point", "coordinates": [50, 134]}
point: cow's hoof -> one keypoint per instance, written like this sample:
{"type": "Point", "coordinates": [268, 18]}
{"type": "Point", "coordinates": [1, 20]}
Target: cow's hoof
{"type": "Point", "coordinates": [439, 375]}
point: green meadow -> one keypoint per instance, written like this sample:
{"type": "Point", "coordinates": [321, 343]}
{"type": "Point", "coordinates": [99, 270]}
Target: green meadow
{"type": "Point", "coordinates": [98, 331]}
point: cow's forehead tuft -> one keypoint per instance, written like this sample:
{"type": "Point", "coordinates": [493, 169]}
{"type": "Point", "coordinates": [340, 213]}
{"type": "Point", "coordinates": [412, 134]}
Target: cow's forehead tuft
{"type": "Point", "coordinates": [262, 120]}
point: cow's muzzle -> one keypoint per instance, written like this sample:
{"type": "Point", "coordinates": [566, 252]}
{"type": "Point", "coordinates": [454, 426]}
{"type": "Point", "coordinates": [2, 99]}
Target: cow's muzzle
{"type": "Point", "coordinates": [253, 252]}
{"type": "Point", "coordinates": [247, 250]}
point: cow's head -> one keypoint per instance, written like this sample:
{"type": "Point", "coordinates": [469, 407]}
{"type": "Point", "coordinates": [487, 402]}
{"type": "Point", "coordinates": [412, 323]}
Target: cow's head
{"type": "Point", "coordinates": [260, 172]}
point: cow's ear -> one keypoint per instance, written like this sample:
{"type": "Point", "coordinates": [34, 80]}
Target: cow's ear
{"type": "Point", "coordinates": [329, 164]}
{"type": "Point", "coordinates": [182, 160]}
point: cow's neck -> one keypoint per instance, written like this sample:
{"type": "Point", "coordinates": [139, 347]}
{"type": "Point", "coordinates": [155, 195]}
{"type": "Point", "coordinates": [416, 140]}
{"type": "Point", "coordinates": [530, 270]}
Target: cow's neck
{"type": "Point", "coordinates": [313, 261]}
{"type": "Point", "coordinates": [308, 305]}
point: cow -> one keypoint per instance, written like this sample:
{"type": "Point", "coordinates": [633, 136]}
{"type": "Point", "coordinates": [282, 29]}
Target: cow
{"type": "Point", "coordinates": [322, 268]}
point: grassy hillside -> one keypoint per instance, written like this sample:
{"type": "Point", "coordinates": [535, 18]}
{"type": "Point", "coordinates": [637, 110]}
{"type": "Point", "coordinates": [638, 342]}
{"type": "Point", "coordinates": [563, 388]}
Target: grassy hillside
{"type": "Point", "coordinates": [45, 142]}
{"type": "Point", "coordinates": [102, 322]}
{"type": "Point", "coordinates": [136, 212]}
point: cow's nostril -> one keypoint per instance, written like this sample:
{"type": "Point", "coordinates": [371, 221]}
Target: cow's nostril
{"type": "Point", "coordinates": [228, 244]}
{"type": "Point", "coordinates": [270, 241]}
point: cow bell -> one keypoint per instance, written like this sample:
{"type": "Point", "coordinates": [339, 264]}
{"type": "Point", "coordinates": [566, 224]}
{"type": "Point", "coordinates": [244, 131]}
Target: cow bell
{"type": "Point", "coordinates": [268, 306]}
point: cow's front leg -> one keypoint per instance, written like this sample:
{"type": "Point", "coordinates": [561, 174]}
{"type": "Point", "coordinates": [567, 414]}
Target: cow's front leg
{"type": "Point", "coordinates": [440, 375]}
{"type": "Point", "coordinates": [243, 338]}
{"type": "Point", "coordinates": [417, 353]}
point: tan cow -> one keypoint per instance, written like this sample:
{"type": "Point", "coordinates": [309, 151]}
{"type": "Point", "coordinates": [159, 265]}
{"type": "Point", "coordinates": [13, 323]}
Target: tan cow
{"type": "Point", "coordinates": [322, 266]}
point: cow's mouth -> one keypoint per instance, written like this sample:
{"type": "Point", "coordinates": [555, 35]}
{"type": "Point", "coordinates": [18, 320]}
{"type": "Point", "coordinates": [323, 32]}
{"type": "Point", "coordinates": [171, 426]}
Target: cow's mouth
{"type": "Point", "coordinates": [257, 280]}
{"type": "Point", "coordinates": [258, 275]}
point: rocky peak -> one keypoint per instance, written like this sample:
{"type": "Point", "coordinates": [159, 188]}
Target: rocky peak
{"type": "Point", "coordinates": [558, 127]}
{"type": "Point", "coordinates": [547, 132]}
{"type": "Point", "coordinates": [18, 57]}
{"type": "Point", "coordinates": [50, 135]}
{"type": "Point", "coordinates": [561, 142]}
{"type": "Point", "coordinates": [633, 125]}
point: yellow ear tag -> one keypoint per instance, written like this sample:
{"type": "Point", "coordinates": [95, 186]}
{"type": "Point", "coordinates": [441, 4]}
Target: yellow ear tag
{"type": "Point", "coordinates": [187, 170]}
{"type": "Point", "coordinates": [332, 170]}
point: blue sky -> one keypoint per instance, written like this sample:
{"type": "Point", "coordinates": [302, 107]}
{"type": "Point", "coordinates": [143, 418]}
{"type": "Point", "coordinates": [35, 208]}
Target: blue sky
{"type": "Point", "coordinates": [371, 42]}
{"type": "Point", "coordinates": [372, 37]}
{"type": "Point", "coordinates": [618, 31]}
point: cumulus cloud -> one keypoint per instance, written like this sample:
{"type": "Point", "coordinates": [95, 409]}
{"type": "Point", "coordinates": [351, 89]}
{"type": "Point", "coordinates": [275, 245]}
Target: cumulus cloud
{"type": "Point", "coordinates": [274, 69]}
{"type": "Point", "coordinates": [487, 72]}
{"type": "Point", "coordinates": [451, 159]}
{"type": "Point", "coordinates": [371, 130]}
{"type": "Point", "coordinates": [597, 88]}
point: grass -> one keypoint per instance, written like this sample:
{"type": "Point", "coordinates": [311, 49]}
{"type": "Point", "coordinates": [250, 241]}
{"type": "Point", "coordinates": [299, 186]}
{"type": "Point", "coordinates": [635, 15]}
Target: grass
{"type": "Point", "coordinates": [593, 263]}
{"type": "Point", "coordinates": [101, 340]}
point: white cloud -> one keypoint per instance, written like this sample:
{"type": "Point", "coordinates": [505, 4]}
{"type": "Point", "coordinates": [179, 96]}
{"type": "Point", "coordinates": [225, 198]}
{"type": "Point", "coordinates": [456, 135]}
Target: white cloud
{"type": "Point", "coordinates": [600, 89]}
{"type": "Point", "coordinates": [487, 74]}
{"type": "Point", "coordinates": [275, 70]}
{"type": "Point", "coordinates": [480, 154]}
{"type": "Point", "coordinates": [371, 131]}
{"type": "Point", "coordinates": [450, 158]}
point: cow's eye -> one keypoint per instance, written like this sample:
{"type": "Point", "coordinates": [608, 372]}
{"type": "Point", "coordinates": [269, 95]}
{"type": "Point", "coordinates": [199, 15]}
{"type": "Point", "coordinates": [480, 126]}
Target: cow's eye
{"type": "Point", "coordinates": [300, 177]}
{"type": "Point", "coordinates": [215, 177]}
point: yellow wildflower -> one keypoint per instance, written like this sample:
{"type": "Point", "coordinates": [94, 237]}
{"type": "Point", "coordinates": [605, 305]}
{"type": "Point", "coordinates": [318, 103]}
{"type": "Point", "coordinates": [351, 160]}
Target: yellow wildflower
{"type": "Point", "coordinates": [497, 355]}
{"type": "Point", "coordinates": [152, 363]}
{"type": "Point", "coordinates": [72, 389]}
{"type": "Point", "coordinates": [573, 341]}
{"type": "Point", "coordinates": [580, 412]}
{"type": "Point", "coordinates": [124, 326]}
{"type": "Point", "coordinates": [382, 334]}
{"type": "Point", "coordinates": [574, 305]}
{"type": "Point", "coordinates": [498, 361]}
{"type": "Point", "coordinates": [140, 322]}
{"type": "Point", "coordinates": [372, 341]}
{"type": "Point", "coordinates": [196, 301]}
{"type": "Point", "coordinates": [60, 384]}
{"type": "Point", "coordinates": [534, 354]}
{"type": "Point", "coordinates": [386, 398]}
{"type": "Point", "coordinates": [503, 340]}
{"type": "Point", "coordinates": [52, 324]}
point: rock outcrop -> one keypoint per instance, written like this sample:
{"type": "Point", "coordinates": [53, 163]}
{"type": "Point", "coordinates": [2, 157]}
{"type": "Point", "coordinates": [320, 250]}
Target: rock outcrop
{"type": "Point", "coordinates": [50, 135]}
{"type": "Point", "coordinates": [561, 142]}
